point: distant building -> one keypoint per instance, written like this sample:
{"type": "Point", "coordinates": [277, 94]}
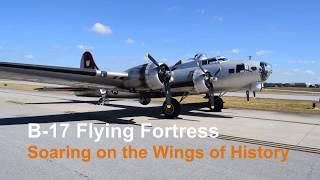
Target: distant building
{"type": "Point", "coordinates": [272, 84]}
{"type": "Point", "coordinates": [300, 85]}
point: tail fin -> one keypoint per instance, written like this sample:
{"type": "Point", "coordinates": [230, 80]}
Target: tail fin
{"type": "Point", "coordinates": [87, 61]}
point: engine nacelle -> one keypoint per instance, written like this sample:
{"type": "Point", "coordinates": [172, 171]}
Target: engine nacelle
{"type": "Point", "coordinates": [199, 82]}
{"type": "Point", "coordinates": [152, 78]}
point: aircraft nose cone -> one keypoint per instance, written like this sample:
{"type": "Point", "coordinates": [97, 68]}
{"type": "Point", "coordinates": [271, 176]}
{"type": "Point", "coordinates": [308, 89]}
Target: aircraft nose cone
{"type": "Point", "coordinates": [265, 70]}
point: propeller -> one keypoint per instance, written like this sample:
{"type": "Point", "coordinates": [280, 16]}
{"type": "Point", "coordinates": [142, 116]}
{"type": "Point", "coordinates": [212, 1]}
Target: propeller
{"type": "Point", "coordinates": [208, 76]}
{"type": "Point", "coordinates": [164, 71]}
{"type": "Point", "coordinates": [209, 79]}
{"type": "Point", "coordinates": [164, 74]}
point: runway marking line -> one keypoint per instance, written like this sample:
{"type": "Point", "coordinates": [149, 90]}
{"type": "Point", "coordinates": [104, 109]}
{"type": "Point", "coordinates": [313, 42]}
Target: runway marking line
{"type": "Point", "coordinates": [270, 144]}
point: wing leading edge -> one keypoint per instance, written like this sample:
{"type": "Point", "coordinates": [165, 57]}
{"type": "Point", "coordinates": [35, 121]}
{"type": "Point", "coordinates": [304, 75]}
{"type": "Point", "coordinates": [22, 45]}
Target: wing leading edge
{"type": "Point", "coordinates": [62, 75]}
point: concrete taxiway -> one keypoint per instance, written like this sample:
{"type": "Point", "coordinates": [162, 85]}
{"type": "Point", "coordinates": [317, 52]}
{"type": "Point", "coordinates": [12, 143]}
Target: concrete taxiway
{"type": "Point", "coordinates": [18, 108]}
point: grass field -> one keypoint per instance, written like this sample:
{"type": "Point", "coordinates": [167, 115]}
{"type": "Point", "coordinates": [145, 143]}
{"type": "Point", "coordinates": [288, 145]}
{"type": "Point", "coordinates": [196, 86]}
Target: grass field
{"type": "Point", "coordinates": [26, 87]}
{"type": "Point", "coordinates": [279, 105]}
{"type": "Point", "coordinates": [292, 89]}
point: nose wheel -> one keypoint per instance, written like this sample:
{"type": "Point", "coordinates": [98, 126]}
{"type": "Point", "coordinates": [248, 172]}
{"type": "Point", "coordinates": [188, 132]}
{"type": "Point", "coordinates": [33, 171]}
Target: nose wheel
{"type": "Point", "coordinates": [171, 109]}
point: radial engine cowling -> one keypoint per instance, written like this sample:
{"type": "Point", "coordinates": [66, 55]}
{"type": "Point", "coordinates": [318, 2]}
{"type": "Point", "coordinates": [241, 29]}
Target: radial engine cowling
{"type": "Point", "coordinates": [152, 77]}
{"type": "Point", "coordinates": [199, 82]}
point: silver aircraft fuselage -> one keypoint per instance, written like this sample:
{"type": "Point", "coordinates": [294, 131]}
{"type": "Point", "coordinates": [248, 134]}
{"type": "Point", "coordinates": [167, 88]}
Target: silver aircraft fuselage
{"type": "Point", "coordinates": [233, 76]}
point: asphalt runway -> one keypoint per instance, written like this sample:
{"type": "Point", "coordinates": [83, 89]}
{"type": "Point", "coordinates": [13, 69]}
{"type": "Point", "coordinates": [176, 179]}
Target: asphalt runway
{"type": "Point", "coordinates": [299, 132]}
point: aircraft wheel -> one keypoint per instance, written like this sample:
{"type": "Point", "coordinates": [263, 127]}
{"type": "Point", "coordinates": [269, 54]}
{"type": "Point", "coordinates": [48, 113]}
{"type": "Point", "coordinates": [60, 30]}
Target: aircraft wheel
{"type": "Point", "coordinates": [144, 100]}
{"type": "Point", "coordinates": [171, 110]}
{"type": "Point", "coordinates": [103, 101]}
{"type": "Point", "coordinates": [218, 104]}
{"type": "Point", "coordinates": [100, 101]}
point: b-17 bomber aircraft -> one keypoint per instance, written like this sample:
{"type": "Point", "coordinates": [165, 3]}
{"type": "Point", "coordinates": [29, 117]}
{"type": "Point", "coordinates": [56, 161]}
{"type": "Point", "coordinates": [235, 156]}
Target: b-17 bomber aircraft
{"type": "Point", "coordinates": [199, 75]}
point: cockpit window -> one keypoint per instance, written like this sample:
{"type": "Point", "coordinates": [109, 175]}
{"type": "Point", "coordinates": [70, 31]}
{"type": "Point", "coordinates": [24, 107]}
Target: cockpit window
{"type": "Point", "coordinates": [240, 68]}
{"type": "Point", "coordinates": [266, 70]}
{"type": "Point", "coordinates": [265, 65]}
{"type": "Point", "coordinates": [221, 58]}
{"type": "Point", "coordinates": [204, 62]}
{"type": "Point", "coordinates": [211, 61]}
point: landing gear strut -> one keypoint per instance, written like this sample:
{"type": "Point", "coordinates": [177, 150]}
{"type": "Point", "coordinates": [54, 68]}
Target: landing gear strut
{"type": "Point", "coordinates": [171, 107]}
{"type": "Point", "coordinates": [104, 100]}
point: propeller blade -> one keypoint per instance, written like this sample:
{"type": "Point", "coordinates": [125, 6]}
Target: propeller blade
{"type": "Point", "coordinates": [174, 67]}
{"type": "Point", "coordinates": [200, 66]}
{"type": "Point", "coordinates": [211, 96]}
{"type": "Point", "coordinates": [215, 74]}
{"type": "Point", "coordinates": [153, 60]}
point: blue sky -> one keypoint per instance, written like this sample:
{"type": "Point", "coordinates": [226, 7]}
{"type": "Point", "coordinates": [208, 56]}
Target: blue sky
{"type": "Point", "coordinates": [284, 33]}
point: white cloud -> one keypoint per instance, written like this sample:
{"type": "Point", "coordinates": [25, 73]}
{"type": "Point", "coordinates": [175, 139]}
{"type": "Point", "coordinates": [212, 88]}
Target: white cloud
{"type": "Point", "coordinates": [302, 62]}
{"type": "Point", "coordinates": [201, 11]}
{"type": "Point", "coordinates": [28, 56]}
{"type": "Point", "coordinates": [170, 9]}
{"type": "Point", "coordinates": [296, 70]}
{"type": "Point", "coordinates": [218, 18]}
{"type": "Point", "coordinates": [85, 48]}
{"type": "Point", "coordinates": [263, 53]}
{"type": "Point", "coordinates": [101, 29]}
{"type": "Point", "coordinates": [309, 72]}
{"type": "Point", "coordinates": [55, 46]}
{"type": "Point", "coordinates": [130, 41]}
{"type": "Point", "coordinates": [306, 72]}
{"type": "Point", "coordinates": [235, 51]}
{"type": "Point", "coordinates": [286, 73]}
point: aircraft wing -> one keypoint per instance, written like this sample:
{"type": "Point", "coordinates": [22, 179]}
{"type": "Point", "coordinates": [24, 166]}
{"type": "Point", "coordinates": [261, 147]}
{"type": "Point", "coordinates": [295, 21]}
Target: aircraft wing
{"type": "Point", "coordinates": [73, 89]}
{"type": "Point", "coordinates": [74, 77]}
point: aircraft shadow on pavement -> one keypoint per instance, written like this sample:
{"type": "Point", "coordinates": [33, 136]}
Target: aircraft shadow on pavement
{"type": "Point", "coordinates": [111, 116]}
{"type": "Point", "coordinates": [67, 102]}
